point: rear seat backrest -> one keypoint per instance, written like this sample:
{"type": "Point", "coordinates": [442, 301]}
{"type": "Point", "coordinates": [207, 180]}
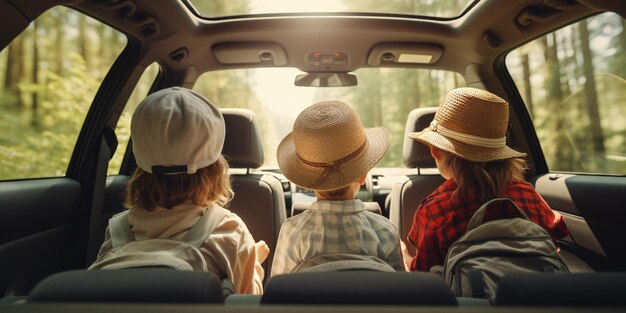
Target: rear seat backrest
{"type": "Point", "coordinates": [138, 285]}
{"type": "Point", "coordinates": [358, 287]}
{"type": "Point", "coordinates": [573, 289]}
{"type": "Point", "coordinates": [406, 195]}
{"type": "Point", "coordinates": [259, 199]}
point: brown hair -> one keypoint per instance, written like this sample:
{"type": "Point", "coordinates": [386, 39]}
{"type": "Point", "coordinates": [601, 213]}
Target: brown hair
{"type": "Point", "coordinates": [488, 179]}
{"type": "Point", "coordinates": [209, 184]}
{"type": "Point", "coordinates": [334, 193]}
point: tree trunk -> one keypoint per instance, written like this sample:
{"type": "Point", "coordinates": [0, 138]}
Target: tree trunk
{"type": "Point", "coordinates": [621, 68]}
{"type": "Point", "coordinates": [528, 95]}
{"type": "Point", "coordinates": [35, 78]}
{"type": "Point", "coordinates": [58, 45]}
{"type": "Point", "coordinates": [82, 38]}
{"type": "Point", "coordinates": [377, 111]}
{"type": "Point", "coordinates": [561, 153]}
{"type": "Point", "coordinates": [591, 96]}
{"type": "Point", "coordinates": [14, 70]}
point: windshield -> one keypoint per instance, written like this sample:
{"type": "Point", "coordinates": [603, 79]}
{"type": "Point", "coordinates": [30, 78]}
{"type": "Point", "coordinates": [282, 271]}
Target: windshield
{"type": "Point", "coordinates": [383, 97]}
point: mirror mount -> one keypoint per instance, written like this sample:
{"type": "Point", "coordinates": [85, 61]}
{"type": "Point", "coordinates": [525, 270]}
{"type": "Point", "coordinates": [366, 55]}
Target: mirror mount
{"type": "Point", "coordinates": [326, 79]}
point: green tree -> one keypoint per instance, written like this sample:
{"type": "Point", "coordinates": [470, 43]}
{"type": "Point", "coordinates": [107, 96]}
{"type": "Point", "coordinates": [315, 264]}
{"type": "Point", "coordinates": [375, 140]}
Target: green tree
{"type": "Point", "coordinates": [48, 150]}
{"type": "Point", "coordinates": [44, 69]}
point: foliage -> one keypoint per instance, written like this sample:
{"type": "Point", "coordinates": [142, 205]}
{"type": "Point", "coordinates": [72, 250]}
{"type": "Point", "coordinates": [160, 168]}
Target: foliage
{"type": "Point", "coordinates": [42, 107]}
{"type": "Point", "coordinates": [44, 149]}
{"type": "Point", "coordinates": [563, 87]}
{"type": "Point", "coordinates": [387, 96]}
{"type": "Point", "coordinates": [50, 74]}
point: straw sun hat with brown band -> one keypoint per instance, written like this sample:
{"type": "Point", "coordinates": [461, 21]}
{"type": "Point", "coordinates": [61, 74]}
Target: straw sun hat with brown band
{"type": "Point", "coordinates": [329, 148]}
{"type": "Point", "coordinates": [470, 123]}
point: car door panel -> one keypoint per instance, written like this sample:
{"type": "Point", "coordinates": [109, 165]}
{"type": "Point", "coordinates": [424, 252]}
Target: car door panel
{"type": "Point", "coordinates": [593, 208]}
{"type": "Point", "coordinates": [37, 233]}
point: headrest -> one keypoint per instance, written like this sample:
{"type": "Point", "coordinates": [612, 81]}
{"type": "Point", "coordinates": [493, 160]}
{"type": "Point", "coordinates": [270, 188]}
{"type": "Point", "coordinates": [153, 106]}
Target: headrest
{"type": "Point", "coordinates": [299, 207]}
{"type": "Point", "coordinates": [415, 153]}
{"type": "Point", "coordinates": [358, 287]}
{"type": "Point", "coordinates": [563, 289]}
{"type": "Point", "coordinates": [129, 285]}
{"type": "Point", "coordinates": [242, 146]}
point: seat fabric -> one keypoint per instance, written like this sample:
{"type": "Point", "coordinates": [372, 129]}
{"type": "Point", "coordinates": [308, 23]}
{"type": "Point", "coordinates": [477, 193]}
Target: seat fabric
{"type": "Point", "coordinates": [259, 198]}
{"type": "Point", "coordinates": [563, 289]}
{"type": "Point", "coordinates": [133, 285]}
{"type": "Point", "coordinates": [358, 287]}
{"type": "Point", "coordinates": [408, 193]}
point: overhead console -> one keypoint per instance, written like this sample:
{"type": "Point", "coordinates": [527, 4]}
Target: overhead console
{"type": "Point", "coordinates": [403, 54]}
{"type": "Point", "coordinates": [266, 53]}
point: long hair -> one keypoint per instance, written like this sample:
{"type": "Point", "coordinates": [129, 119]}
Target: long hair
{"type": "Point", "coordinates": [209, 184]}
{"type": "Point", "coordinates": [487, 179]}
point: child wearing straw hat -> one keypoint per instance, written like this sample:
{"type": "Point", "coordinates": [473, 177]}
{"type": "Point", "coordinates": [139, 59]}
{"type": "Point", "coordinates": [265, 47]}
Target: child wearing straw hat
{"type": "Point", "coordinates": [467, 138]}
{"type": "Point", "coordinates": [181, 176]}
{"type": "Point", "coordinates": [330, 152]}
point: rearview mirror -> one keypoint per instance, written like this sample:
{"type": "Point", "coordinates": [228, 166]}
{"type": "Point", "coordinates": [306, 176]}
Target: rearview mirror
{"type": "Point", "coordinates": [324, 79]}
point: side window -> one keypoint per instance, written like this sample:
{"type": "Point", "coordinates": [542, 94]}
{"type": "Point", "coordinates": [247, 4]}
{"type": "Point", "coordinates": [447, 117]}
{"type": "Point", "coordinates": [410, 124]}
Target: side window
{"type": "Point", "coordinates": [122, 129]}
{"type": "Point", "coordinates": [49, 75]}
{"type": "Point", "coordinates": [573, 82]}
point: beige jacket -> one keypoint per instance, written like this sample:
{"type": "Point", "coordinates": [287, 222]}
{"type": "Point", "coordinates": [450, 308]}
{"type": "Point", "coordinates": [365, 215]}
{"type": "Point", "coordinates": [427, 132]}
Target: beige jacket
{"type": "Point", "coordinates": [229, 251]}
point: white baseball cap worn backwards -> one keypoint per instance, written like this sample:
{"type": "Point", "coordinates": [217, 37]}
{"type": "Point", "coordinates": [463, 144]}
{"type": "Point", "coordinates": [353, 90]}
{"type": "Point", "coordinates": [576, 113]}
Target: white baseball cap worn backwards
{"type": "Point", "coordinates": [176, 131]}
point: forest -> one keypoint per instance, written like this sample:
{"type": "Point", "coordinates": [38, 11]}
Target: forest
{"type": "Point", "coordinates": [572, 82]}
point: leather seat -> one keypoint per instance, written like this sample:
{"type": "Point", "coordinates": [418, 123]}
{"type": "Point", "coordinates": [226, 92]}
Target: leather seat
{"type": "Point", "coordinates": [407, 194]}
{"type": "Point", "coordinates": [138, 285]}
{"type": "Point", "coordinates": [573, 289]}
{"type": "Point", "coordinates": [259, 199]}
{"type": "Point", "coordinates": [358, 287]}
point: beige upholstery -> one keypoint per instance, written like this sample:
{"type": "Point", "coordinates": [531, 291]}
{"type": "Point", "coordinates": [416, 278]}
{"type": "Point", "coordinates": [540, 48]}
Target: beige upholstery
{"type": "Point", "coordinates": [259, 198]}
{"type": "Point", "coordinates": [242, 146]}
{"type": "Point", "coordinates": [299, 207]}
{"type": "Point", "coordinates": [407, 194]}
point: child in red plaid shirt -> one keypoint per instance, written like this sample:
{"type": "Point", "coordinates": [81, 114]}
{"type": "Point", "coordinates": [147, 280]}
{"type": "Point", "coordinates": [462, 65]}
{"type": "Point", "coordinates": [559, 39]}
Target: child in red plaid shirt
{"type": "Point", "coordinates": [467, 140]}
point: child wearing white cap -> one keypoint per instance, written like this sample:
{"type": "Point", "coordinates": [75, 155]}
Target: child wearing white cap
{"type": "Point", "coordinates": [330, 152]}
{"type": "Point", "coordinates": [177, 141]}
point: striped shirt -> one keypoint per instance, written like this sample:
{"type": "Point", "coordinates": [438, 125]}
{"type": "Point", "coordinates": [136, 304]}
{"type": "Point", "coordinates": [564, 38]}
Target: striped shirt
{"type": "Point", "coordinates": [329, 227]}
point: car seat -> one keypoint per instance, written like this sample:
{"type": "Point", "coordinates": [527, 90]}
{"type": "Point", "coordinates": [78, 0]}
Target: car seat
{"type": "Point", "coordinates": [358, 288]}
{"type": "Point", "coordinates": [259, 199]}
{"type": "Point", "coordinates": [407, 194]}
{"type": "Point", "coordinates": [572, 289]}
{"type": "Point", "coordinates": [145, 285]}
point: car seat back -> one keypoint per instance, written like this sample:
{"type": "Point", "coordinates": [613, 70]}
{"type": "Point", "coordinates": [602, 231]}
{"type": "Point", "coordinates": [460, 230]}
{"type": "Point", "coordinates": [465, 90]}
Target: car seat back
{"type": "Point", "coordinates": [259, 199]}
{"type": "Point", "coordinates": [574, 290]}
{"type": "Point", "coordinates": [407, 194]}
{"type": "Point", "coordinates": [358, 288]}
{"type": "Point", "coordinates": [145, 285]}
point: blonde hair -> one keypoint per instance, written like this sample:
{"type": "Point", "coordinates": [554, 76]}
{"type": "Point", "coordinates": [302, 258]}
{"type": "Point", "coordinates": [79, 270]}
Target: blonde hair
{"type": "Point", "coordinates": [208, 185]}
{"type": "Point", "coordinates": [489, 178]}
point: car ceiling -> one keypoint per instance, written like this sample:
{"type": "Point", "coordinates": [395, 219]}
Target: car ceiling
{"type": "Point", "coordinates": [184, 43]}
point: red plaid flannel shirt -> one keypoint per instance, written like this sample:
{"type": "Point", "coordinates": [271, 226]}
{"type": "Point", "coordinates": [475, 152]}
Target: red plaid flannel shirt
{"type": "Point", "coordinates": [441, 220]}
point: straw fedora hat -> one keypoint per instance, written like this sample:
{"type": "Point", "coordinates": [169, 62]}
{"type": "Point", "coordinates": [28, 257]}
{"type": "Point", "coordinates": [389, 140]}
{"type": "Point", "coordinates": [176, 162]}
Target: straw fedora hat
{"type": "Point", "coordinates": [329, 148]}
{"type": "Point", "coordinates": [470, 123]}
